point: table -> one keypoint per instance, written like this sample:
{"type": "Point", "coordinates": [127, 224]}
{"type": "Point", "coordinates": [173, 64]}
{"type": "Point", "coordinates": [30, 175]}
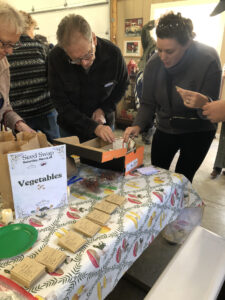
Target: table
{"type": "Point", "coordinates": [92, 273]}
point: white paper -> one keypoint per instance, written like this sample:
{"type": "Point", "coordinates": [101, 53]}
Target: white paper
{"type": "Point", "coordinates": [150, 170]}
{"type": "Point", "coordinates": [38, 180]}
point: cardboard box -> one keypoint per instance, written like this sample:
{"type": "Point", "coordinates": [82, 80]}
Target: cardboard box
{"type": "Point", "coordinates": [100, 154]}
{"type": "Point", "coordinates": [8, 144]}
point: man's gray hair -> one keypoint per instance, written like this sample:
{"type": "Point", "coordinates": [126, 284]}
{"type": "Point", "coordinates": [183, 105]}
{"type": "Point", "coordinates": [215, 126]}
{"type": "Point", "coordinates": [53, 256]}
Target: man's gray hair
{"type": "Point", "coordinates": [72, 24]}
{"type": "Point", "coordinates": [10, 16]}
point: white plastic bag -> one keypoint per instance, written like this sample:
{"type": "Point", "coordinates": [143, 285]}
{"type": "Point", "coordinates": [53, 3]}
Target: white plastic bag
{"type": "Point", "coordinates": [177, 231]}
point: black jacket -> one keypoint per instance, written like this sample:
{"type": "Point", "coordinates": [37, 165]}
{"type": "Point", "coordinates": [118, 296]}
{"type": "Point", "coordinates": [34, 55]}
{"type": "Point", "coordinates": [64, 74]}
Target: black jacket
{"type": "Point", "coordinates": [77, 94]}
{"type": "Point", "coordinates": [198, 70]}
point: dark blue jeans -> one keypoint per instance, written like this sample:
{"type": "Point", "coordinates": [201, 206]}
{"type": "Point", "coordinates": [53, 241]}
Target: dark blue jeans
{"type": "Point", "coordinates": [46, 124]}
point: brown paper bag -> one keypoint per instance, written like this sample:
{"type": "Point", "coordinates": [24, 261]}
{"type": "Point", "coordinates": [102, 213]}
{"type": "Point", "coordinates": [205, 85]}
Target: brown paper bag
{"type": "Point", "coordinates": [6, 136]}
{"type": "Point", "coordinates": [25, 141]}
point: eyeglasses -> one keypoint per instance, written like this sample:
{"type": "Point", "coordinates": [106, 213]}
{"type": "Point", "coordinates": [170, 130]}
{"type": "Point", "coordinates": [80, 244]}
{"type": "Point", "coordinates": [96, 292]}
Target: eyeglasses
{"type": "Point", "coordinates": [9, 45]}
{"type": "Point", "coordinates": [88, 56]}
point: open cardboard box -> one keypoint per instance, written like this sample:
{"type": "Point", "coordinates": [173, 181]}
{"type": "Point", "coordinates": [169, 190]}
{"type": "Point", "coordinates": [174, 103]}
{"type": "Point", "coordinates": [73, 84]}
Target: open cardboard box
{"type": "Point", "coordinates": [100, 154]}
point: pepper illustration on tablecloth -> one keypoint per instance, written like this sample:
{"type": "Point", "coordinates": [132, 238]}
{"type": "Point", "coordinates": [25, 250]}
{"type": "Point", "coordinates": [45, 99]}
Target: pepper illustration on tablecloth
{"type": "Point", "coordinates": [151, 219]}
{"type": "Point", "coordinates": [79, 196]}
{"type": "Point", "coordinates": [133, 200]}
{"type": "Point", "coordinates": [104, 229]}
{"type": "Point", "coordinates": [133, 219]}
{"type": "Point", "coordinates": [94, 257]}
{"type": "Point", "coordinates": [159, 193]}
{"type": "Point", "coordinates": [135, 249]}
{"type": "Point", "coordinates": [133, 184]}
{"type": "Point", "coordinates": [35, 222]}
{"type": "Point", "coordinates": [179, 176]}
{"type": "Point", "coordinates": [157, 179]}
{"type": "Point", "coordinates": [72, 215]}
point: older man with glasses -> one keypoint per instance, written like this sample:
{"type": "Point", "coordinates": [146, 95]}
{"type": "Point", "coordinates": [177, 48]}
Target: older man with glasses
{"type": "Point", "coordinates": [11, 26]}
{"type": "Point", "coordinates": [87, 78]}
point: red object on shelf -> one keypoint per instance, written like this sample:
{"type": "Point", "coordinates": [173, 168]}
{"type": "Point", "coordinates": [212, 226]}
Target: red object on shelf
{"type": "Point", "coordinates": [123, 113]}
{"type": "Point", "coordinates": [132, 67]}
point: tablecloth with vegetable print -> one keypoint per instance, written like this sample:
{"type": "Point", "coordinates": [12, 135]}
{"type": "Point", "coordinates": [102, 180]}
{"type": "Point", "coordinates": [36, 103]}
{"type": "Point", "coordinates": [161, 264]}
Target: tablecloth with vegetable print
{"type": "Point", "coordinates": [91, 273]}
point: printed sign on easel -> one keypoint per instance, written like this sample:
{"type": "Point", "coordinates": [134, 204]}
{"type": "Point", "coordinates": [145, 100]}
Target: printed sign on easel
{"type": "Point", "coordinates": [38, 180]}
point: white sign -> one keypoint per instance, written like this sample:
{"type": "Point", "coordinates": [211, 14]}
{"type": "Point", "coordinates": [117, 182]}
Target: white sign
{"type": "Point", "coordinates": [38, 180]}
{"type": "Point", "coordinates": [131, 165]}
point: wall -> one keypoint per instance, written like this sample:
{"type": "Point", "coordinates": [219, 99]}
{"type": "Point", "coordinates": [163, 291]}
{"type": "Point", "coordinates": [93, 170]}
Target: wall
{"type": "Point", "coordinates": [138, 8]}
{"type": "Point", "coordinates": [128, 9]}
{"type": "Point", "coordinates": [97, 15]}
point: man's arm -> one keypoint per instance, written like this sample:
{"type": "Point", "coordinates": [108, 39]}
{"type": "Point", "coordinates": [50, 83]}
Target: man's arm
{"type": "Point", "coordinates": [121, 84]}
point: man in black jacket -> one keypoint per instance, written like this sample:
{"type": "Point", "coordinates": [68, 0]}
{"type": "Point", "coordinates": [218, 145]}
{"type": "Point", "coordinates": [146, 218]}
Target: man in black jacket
{"type": "Point", "coordinates": [87, 78]}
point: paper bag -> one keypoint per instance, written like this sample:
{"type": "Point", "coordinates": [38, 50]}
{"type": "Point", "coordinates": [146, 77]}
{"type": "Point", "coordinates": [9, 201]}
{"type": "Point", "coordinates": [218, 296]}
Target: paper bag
{"type": "Point", "coordinates": [8, 144]}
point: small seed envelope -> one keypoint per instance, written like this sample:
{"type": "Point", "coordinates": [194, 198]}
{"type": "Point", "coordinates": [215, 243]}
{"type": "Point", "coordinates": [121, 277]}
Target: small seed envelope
{"type": "Point", "coordinates": [51, 258]}
{"type": "Point", "coordinates": [106, 207]}
{"type": "Point", "coordinates": [115, 199]}
{"type": "Point", "coordinates": [86, 227]}
{"type": "Point", "coordinates": [98, 217]}
{"type": "Point", "coordinates": [71, 241]}
{"type": "Point", "coordinates": [27, 272]}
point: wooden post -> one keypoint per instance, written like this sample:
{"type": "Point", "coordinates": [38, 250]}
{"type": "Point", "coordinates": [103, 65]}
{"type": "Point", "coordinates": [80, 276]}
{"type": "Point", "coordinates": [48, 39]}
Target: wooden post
{"type": "Point", "coordinates": [113, 20]}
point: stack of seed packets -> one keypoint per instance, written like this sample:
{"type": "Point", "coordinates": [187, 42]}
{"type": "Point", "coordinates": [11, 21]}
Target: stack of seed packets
{"type": "Point", "coordinates": [51, 258]}
{"type": "Point", "coordinates": [105, 206]}
{"type": "Point", "coordinates": [71, 241]}
{"type": "Point", "coordinates": [27, 272]}
{"type": "Point", "coordinates": [115, 199]}
{"type": "Point", "coordinates": [86, 227]}
{"type": "Point", "coordinates": [98, 217]}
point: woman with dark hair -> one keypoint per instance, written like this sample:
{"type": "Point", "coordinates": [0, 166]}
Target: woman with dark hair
{"type": "Point", "coordinates": [184, 63]}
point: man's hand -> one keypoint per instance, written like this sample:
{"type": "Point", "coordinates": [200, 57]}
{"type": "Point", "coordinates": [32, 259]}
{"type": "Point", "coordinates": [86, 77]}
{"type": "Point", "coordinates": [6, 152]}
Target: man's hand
{"type": "Point", "coordinates": [131, 131]}
{"type": "Point", "coordinates": [215, 111]}
{"type": "Point", "coordinates": [99, 116]}
{"type": "Point", "coordinates": [192, 99]}
{"type": "Point", "coordinates": [21, 126]}
{"type": "Point", "coordinates": [105, 133]}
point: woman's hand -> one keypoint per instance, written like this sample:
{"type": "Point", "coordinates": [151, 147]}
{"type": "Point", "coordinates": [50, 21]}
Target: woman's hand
{"type": "Point", "coordinates": [215, 111]}
{"type": "Point", "coordinates": [130, 132]}
{"type": "Point", "coordinates": [192, 99]}
{"type": "Point", "coordinates": [21, 126]}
